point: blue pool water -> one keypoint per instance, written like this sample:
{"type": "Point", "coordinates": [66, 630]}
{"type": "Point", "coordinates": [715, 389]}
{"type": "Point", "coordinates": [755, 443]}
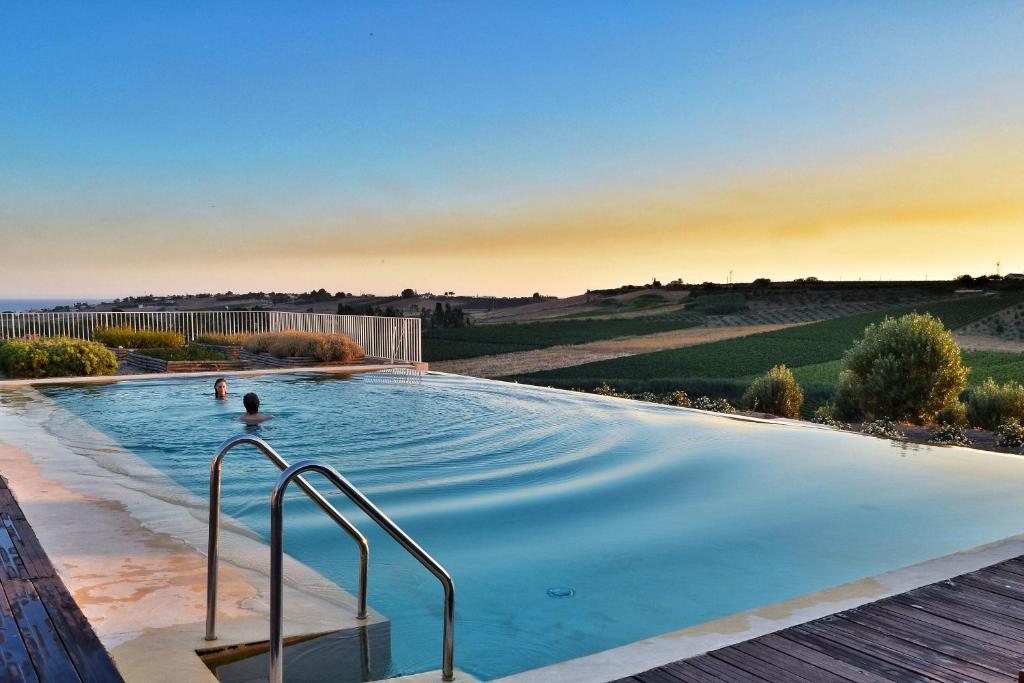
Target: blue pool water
{"type": "Point", "coordinates": [570, 523]}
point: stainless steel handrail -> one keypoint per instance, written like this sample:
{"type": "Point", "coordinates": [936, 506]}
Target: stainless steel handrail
{"type": "Point", "coordinates": [374, 513]}
{"type": "Point", "coordinates": [214, 532]}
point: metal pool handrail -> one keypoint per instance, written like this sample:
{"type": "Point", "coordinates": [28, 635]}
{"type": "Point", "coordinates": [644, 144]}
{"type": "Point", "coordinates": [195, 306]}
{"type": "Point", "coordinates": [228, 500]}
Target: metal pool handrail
{"type": "Point", "coordinates": [214, 528]}
{"type": "Point", "coordinates": [374, 513]}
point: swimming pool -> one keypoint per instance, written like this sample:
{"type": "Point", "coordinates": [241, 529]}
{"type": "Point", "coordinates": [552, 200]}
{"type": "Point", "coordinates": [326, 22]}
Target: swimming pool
{"type": "Point", "coordinates": [571, 523]}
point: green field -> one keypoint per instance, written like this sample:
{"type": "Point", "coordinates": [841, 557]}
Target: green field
{"type": "Point", "coordinates": [813, 351]}
{"type": "Point", "coordinates": [483, 340]}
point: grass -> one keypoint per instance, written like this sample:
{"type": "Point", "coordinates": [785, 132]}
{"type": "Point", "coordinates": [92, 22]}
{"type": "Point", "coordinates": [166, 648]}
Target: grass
{"type": "Point", "coordinates": [812, 351]}
{"type": "Point", "coordinates": [482, 340]}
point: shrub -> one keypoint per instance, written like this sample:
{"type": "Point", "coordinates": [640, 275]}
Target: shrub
{"type": "Point", "coordinates": [883, 428]}
{"type": "Point", "coordinates": [716, 405]}
{"type": "Point", "coordinates": [825, 414]}
{"type": "Point", "coordinates": [138, 339]}
{"type": "Point", "coordinates": [775, 392]}
{"type": "Point", "coordinates": [1010, 434]}
{"type": "Point", "coordinates": [905, 368]}
{"type": "Point", "coordinates": [951, 435]}
{"type": "Point", "coordinates": [185, 353]}
{"type": "Point", "coordinates": [58, 357]}
{"type": "Point", "coordinates": [322, 347]}
{"type": "Point", "coordinates": [605, 390]}
{"type": "Point", "coordinates": [676, 398]}
{"type": "Point", "coordinates": [991, 404]}
{"type": "Point", "coordinates": [217, 339]}
{"type": "Point", "coordinates": [953, 414]}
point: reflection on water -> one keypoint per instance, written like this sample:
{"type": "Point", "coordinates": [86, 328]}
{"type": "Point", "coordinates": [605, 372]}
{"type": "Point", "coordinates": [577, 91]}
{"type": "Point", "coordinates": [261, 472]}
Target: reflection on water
{"type": "Point", "coordinates": [654, 518]}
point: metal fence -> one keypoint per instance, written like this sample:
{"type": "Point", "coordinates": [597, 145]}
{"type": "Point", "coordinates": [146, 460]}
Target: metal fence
{"type": "Point", "coordinates": [384, 338]}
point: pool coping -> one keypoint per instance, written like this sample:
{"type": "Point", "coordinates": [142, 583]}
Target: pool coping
{"type": "Point", "coordinates": [621, 661]}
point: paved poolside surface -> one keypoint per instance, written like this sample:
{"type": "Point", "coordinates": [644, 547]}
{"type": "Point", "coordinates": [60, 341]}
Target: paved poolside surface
{"type": "Point", "coordinates": [43, 634]}
{"type": "Point", "coordinates": [968, 628]}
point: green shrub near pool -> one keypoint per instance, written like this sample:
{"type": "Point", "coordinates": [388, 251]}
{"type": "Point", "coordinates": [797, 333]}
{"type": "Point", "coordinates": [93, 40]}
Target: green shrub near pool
{"type": "Point", "coordinates": [56, 357]}
{"type": "Point", "coordinates": [138, 339]}
{"type": "Point", "coordinates": [184, 353]}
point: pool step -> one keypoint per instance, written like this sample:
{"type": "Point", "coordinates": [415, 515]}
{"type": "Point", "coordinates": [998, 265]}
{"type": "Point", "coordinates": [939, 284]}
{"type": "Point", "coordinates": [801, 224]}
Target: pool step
{"type": "Point", "coordinates": [354, 655]}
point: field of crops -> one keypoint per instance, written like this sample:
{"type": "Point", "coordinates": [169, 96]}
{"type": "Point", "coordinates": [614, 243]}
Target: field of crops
{"type": "Point", "coordinates": [813, 351]}
{"type": "Point", "coordinates": [480, 340]}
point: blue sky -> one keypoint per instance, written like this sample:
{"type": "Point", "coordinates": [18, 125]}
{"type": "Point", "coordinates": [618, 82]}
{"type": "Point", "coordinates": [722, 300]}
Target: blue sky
{"type": "Point", "coordinates": [501, 147]}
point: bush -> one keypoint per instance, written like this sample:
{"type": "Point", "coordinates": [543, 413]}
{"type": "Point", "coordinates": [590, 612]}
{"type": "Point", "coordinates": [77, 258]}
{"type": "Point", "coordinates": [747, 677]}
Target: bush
{"type": "Point", "coordinates": [775, 392]}
{"type": "Point", "coordinates": [717, 405]}
{"type": "Point", "coordinates": [1010, 434]}
{"type": "Point", "coordinates": [953, 414]}
{"type": "Point", "coordinates": [825, 414]}
{"type": "Point", "coordinates": [991, 404]}
{"type": "Point", "coordinates": [322, 347]}
{"type": "Point", "coordinates": [57, 357]}
{"type": "Point", "coordinates": [217, 339]}
{"type": "Point", "coordinates": [138, 339]}
{"type": "Point", "coordinates": [905, 368]}
{"type": "Point", "coordinates": [951, 435]}
{"type": "Point", "coordinates": [676, 398]}
{"type": "Point", "coordinates": [884, 428]}
{"type": "Point", "coordinates": [185, 353]}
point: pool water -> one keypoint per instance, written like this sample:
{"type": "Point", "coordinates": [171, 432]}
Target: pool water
{"type": "Point", "coordinates": [570, 523]}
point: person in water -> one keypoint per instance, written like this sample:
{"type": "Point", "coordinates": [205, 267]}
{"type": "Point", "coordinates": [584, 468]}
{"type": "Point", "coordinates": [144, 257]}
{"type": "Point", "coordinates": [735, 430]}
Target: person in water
{"type": "Point", "coordinates": [220, 389]}
{"type": "Point", "coordinates": [253, 415]}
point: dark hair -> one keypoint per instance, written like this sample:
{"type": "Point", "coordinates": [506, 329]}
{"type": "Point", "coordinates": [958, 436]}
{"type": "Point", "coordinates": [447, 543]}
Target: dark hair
{"type": "Point", "coordinates": [218, 381]}
{"type": "Point", "coordinates": [252, 403]}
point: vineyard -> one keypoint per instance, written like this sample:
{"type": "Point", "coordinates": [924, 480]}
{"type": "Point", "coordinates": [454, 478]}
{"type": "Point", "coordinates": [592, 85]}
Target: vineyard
{"type": "Point", "coordinates": [813, 351]}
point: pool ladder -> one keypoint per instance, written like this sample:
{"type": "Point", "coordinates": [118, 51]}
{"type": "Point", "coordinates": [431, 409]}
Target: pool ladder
{"type": "Point", "coordinates": [288, 473]}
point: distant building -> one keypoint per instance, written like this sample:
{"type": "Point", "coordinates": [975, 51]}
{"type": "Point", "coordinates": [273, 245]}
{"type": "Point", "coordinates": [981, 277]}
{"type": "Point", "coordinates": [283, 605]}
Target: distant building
{"type": "Point", "coordinates": [1014, 276]}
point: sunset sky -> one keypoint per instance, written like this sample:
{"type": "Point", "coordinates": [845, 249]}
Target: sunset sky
{"type": "Point", "coordinates": [505, 147]}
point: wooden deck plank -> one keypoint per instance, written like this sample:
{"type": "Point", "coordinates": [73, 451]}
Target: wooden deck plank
{"type": "Point", "coordinates": [50, 659]}
{"type": "Point", "coordinates": [966, 613]}
{"type": "Point", "coordinates": [891, 666]}
{"type": "Point", "coordinates": [1007, 643]}
{"type": "Point", "coordinates": [90, 659]}
{"type": "Point", "coordinates": [815, 657]}
{"type": "Point", "coordinates": [726, 671]}
{"type": "Point", "coordinates": [691, 674]}
{"type": "Point", "coordinates": [786, 662]}
{"type": "Point", "coordinates": [921, 649]}
{"type": "Point", "coordinates": [15, 663]}
{"type": "Point", "coordinates": [968, 629]}
{"type": "Point", "coordinates": [953, 643]}
{"type": "Point", "coordinates": [753, 665]}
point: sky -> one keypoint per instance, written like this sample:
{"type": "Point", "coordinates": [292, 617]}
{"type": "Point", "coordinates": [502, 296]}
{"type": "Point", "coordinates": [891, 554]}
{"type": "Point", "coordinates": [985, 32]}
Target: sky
{"type": "Point", "coordinates": [504, 147]}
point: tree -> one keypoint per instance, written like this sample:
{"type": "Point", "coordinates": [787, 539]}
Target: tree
{"type": "Point", "coordinates": [408, 293]}
{"type": "Point", "coordinates": [762, 282]}
{"type": "Point", "coordinates": [906, 368]}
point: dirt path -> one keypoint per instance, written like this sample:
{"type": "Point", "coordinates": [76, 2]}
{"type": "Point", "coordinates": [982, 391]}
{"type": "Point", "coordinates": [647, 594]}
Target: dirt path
{"type": "Point", "coordinates": [564, 356]}
{"type": "Point", "coordinates": [984, 342]}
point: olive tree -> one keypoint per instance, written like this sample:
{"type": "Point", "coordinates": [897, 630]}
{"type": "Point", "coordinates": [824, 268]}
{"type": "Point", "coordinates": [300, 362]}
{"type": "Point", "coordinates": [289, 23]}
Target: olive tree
{"type": "Point", "coordinates": [905, 368]}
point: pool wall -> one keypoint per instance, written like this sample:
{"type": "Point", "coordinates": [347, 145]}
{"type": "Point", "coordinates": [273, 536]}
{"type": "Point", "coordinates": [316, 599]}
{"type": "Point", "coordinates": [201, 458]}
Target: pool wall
{"type": "Point", "coordinates": [129, 543]}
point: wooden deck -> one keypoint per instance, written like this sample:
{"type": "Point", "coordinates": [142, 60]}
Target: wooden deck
{"type": "Point", "coordinates": [43, 635]}
{"type": "Point", "coordinates": [970, 628]}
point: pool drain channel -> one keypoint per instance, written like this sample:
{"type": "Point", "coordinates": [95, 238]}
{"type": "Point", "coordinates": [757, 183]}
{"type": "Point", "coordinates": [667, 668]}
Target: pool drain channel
{"type": "Point", "coordinates": [561, 592]}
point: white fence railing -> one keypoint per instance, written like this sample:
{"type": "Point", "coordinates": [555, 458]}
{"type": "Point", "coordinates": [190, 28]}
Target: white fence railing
{"type": "Point", "coordinates": [385, 338]}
